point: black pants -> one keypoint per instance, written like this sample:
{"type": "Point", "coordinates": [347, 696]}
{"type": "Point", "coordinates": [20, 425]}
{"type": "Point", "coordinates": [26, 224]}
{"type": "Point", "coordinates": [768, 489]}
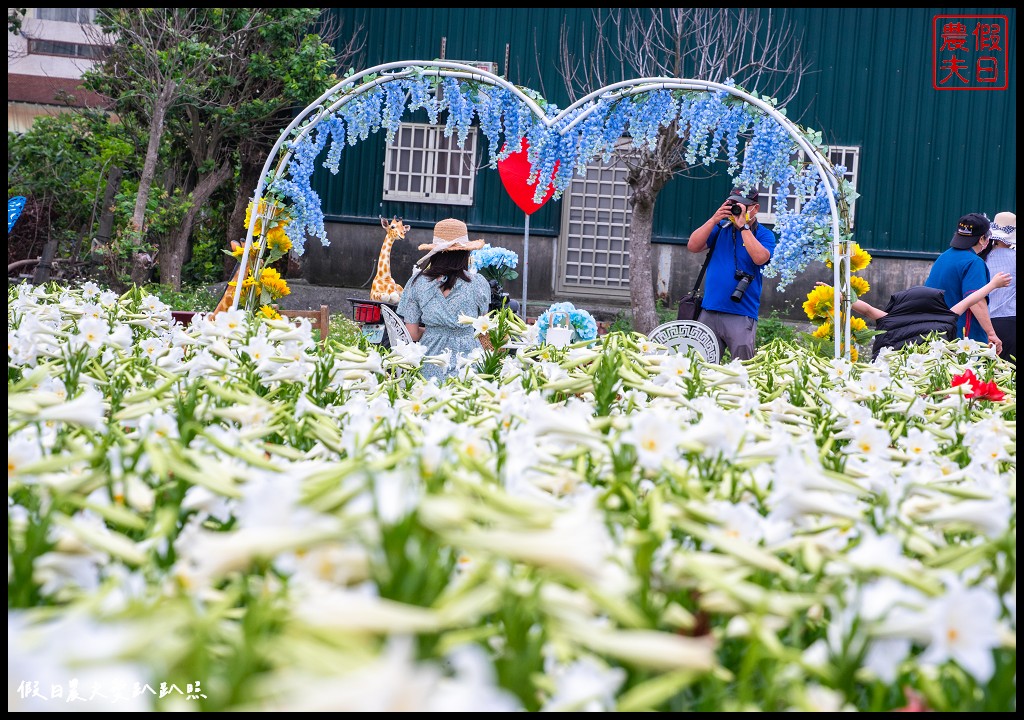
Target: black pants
{"type": "Point", "coordinates": [1006, 329]}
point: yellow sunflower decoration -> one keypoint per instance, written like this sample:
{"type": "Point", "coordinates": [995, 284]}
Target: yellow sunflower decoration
{"type": "Point", "coordinates": [277, 217]}
{"type": "Point", "coordinates": [859, 258]}
{"type": "Point", "coordinates": [271, 282]}
{"type": "Point", "coordinates": [264, 284]}
{"type": "Point", "coordinates": [859, 285]}
{"type": "Point", "coordinates": [818, 305]}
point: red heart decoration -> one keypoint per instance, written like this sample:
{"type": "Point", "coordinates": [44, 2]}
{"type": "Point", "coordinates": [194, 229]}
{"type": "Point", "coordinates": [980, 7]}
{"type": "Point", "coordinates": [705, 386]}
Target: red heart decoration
{"type": "Point", "coordinates": [515, 171]}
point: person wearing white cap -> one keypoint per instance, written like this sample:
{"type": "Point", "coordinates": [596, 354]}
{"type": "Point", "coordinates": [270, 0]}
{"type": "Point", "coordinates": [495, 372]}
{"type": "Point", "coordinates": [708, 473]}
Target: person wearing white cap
{"type": "Point", "coordinates": [1001, 256]}
{"type": "Point", "coordinates": [443, 290]}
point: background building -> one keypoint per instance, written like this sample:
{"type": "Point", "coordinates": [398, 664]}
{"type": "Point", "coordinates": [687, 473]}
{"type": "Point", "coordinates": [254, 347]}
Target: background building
{"type": "Point", "coordinates": [45, 62]}
{"type": "Point", "coordinates": [920, 157]}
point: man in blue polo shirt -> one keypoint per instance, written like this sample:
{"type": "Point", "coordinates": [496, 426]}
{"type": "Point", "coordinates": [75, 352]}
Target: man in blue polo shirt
{"type": "Point", "coordinates": [960, 271]}
{"type": "Point", "coordinates": [740, 247]}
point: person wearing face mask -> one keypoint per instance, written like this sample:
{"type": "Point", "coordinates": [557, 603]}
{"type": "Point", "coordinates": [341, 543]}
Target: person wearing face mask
{"type": "Point", "coordinates": [740, 247]}
{"type": "Point", "coordinates": [959, 271]}
{"type": "Point", "coordinates": [1001, 256]}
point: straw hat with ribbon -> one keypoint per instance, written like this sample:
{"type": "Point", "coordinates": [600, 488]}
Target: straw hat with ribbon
{"type": "Point", "coordinates": [449, 234]}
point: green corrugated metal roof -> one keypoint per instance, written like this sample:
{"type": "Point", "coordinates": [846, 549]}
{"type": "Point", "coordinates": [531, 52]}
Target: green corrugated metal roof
{"type": "Point", "coordinates": [926, 156]}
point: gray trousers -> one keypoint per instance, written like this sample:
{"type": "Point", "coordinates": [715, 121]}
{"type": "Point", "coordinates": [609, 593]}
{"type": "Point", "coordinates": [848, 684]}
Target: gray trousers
{"type": "Point", "coordinates": [736, 332]}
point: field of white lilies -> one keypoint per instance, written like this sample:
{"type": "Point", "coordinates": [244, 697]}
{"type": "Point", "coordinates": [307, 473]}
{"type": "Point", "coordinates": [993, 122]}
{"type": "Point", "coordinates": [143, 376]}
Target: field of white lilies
{"type": "Point", "coordinates": [228, 517]}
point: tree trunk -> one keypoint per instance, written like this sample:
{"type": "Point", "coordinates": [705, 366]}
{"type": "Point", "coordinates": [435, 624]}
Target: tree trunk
{"type": "Point", "coordinates": [142, 262]}
{"type": "Point", "coordinates": [641, 275]}
{"type": "Point", "coordinates": [172, 255]}
{"type": "Point", "coordinates": [248, 177]}
{"type": "Point", "coordinates": [106, 226]}
{"type": "Point", "coordinates": [156, 132]}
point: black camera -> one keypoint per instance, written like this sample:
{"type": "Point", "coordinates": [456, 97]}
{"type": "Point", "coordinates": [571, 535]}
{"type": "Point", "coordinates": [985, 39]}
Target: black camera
{"type": "Point", "coordinates": [735, 208]}
{"type": "Point", "coordinates": [741, 286]}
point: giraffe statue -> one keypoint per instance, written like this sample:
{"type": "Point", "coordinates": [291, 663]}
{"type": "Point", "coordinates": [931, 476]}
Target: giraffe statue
{"type": "Point", "coordinates": [229, 292]}
{"type": "Point", "coordinates": [384, 287]}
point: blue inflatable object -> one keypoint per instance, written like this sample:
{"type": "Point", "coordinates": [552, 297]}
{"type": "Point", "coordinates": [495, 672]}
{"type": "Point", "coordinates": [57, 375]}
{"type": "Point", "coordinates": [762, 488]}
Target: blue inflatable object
{"type": "Point", "coordinates": [14, 207]}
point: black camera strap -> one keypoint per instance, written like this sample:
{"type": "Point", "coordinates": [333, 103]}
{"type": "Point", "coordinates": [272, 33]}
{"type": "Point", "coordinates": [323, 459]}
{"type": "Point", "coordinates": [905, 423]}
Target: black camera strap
{"type": "Point", "coordinates": [703, 269]}
{"type": "Point", "coordinates": [735, 252]}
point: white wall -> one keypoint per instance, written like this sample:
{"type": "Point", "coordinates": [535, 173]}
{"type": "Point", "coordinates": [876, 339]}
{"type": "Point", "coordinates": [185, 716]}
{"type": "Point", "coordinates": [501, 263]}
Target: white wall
{"type": "Point", "coordinates": [21, 63]}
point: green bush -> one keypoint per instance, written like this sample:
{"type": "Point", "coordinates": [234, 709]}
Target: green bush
{"type": "Point", "coordinates": [623, 323]}
{"type": "Point", "coordinates": [61, 164]}
{"type": "Point", "coordinates": [192, 298]}
{"type": "Point", "coordinates": [774, 327]}
{"type": "Point", "coordinates": [345, 331]}
{"type": "Point", "coordinates": [666, 313]}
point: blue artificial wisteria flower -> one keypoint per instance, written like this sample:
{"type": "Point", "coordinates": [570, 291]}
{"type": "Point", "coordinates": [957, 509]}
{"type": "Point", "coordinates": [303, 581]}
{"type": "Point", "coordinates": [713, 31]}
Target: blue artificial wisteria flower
{"type": "Point", "coordinates": [394, 108]}
{"type": "Point", "coordinates": [714, 126]}
{"type": "Point", "coordinates": [336, 129]}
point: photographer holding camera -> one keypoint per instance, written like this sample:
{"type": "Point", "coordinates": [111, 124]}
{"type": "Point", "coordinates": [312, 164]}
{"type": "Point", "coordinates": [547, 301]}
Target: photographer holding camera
{"type": "Point", "coordinates": [739, 248]}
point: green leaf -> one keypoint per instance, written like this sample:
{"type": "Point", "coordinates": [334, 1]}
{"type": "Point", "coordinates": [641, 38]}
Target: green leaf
{"type": "Point", "coordinates": [650, 695]}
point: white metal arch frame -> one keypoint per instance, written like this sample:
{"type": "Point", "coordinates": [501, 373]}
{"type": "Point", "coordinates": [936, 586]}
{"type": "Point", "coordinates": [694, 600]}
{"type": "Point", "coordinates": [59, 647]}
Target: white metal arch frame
{"type": "Point", "coordinates": [391, 72]}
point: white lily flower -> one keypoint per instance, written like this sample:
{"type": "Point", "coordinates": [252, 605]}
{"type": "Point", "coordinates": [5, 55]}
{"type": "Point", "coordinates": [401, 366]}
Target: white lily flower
{"type": "Point", "coordinates": [964, 626]}
{"type": "Point", "coordinates": [991, 449]}
{"type": "Point", "coordinates": [259, 348]}
{"type": "Point", "coordinates": [93, 332]}
{"type": "Point", "coordinates": [586, 685]}
{"type": "Point", "coordinates": [868, 442]}
{"type": "Point", "coordinates": [121, 337]}
{"type": "Point", "coordinates": [647, 648]}
{"type": "Point", "coordinates": [655, 437]}
{"type": "Point", "coordinates": [394, 682]}
{"type": "Point", "coordinates": [989, 517]}
{"type": "Point", "coordinates": [77, 652]}
{"type": "Point", "coordinates": [153, 348]}
{"type": "Point", "coordinates": [411, 352]}
{"type": "Point", "coordinates": [482, 325]}
{"type": "Point", "coordinates": [967, 346]}
{"type": "Point", "coordinates": [22, 449]}
{"type": "Point", "coordinates": [207, 503]}
{"type": "Point", "coordinates": [57, 572]}
{"type": "Point", "coordinates": [86, 410]}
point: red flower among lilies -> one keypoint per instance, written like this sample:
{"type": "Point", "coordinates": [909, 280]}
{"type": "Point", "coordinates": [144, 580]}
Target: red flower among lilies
{"type": "Point", "coordinates": [915, 703]}
{"type": "Point", "coordinates": [967, 377]}
{"type": "Point", "coordinates": [986, 391]}
{"type": "Point", "coordinates": [979, 390]}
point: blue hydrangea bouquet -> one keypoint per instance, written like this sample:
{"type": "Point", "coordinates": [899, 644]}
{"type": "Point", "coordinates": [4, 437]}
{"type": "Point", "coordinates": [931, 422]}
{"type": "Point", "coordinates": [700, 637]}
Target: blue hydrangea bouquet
{"type": "Point", "coordinates": [583, 325]}
{"type": "Point", "coordinates": [495, 263]}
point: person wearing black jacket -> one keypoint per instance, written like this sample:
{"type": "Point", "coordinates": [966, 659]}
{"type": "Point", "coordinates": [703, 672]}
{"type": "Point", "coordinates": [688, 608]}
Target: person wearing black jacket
{"type": "Point", "coordinates": [918, 311]}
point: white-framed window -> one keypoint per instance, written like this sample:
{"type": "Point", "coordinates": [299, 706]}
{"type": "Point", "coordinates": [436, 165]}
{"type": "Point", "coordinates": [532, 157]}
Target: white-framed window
{"type": "Point", "coordinates": [594, 244]}
{"type": "Point", "coordinates": [82, 16]}
{"type": "Point", "coordinates": [846, 155]}
{"type": "Point", "coordinates": [423, 165]}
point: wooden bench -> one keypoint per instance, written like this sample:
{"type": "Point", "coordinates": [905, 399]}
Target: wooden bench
{"type": "Point", "coordinates": [320, 319]}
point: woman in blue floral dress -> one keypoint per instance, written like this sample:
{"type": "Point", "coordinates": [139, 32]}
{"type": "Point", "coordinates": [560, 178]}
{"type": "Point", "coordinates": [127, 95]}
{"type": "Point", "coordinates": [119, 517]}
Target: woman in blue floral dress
{"type": "Point", "coordinates": [443, 290]}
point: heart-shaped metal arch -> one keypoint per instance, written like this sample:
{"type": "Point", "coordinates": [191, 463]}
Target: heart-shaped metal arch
{"type": "Point", "coordinates": [320, 109]}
